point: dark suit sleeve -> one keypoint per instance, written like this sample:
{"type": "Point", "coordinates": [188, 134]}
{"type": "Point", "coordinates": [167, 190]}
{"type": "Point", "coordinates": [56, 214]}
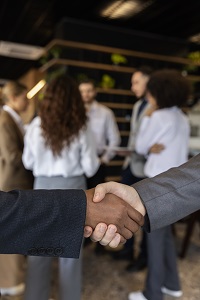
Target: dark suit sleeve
{"type": "Point", "coordinates": [42, 222]}
{"type": "Point", "coordinates": [171, 195]}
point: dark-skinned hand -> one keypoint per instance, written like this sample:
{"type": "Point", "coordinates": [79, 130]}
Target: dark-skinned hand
{"type": "Point", "coordinates": [113, 210]}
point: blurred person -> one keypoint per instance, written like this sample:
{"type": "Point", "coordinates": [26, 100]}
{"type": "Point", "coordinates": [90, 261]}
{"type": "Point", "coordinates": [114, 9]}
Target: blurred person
{"type": "Point", "coordinates": [59, 149]}
{"type": "Point", "coordinates": [103, 126]}
{"type": "Point", "coordinates": [133, 167]}
{"type": "Point", "coordinates": [164, 123]}
{"type": "Point", "coordinates": [105, 133]}
{"type": "Point", "coordinates": [13, 175]}
{"type": "Point", "coordinates": [167, 92]}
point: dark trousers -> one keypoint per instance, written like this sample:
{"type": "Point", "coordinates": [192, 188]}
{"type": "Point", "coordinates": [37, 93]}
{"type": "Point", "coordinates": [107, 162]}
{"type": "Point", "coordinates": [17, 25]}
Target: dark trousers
{"type": "Point", "coordinates": [129, 179]}
{"type": "Point", "coordinates": [162, 264]}
{"type": "Point", "coordinates": [98, 178]}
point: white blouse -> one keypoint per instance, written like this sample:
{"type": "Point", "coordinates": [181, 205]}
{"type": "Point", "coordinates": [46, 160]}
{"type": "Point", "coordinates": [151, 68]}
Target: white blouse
{"type": "Point", "coordinates": [77, 159]}
{"type": "Point", "coordinates": [170, 127]}
{"type": "Point", "coordinates": [17, 119]}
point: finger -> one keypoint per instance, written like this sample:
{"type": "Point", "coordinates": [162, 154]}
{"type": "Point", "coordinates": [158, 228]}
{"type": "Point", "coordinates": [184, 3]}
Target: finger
{"type": "Point", "coordinates": [87, 231]}
{"type": "Point", "coordinates": [132, 226]}
{"type": "Point", "coordinates": [122, 240]}
{"type": "Point", "coordinates": [115, 241]}
{"type": "Point", "coordinates": [99, 232]}
{"type": "Point", "coordinates": [109, 235]}
{"type": "Point", "coordinates": [135, 216]}
{"type": "Point", "coordinates": [125, 232]}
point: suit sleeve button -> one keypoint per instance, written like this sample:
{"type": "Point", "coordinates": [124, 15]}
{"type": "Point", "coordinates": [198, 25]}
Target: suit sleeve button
{"type": "Point", "coordinates": [58, 251]}
{"type": "Point", "coordinates": [41, 251]}
{"type": "Point", "coordinates": [50, 251]}
{"type": "Point", "coordinates": [32, 251]}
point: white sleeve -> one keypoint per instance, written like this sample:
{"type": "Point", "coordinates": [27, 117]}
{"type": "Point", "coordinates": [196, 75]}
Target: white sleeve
{"type": "Point", "coordinates": [89, 159]}
{"type": "Point", "coordinates": [112, 136]}
{"type": "Point", "coordinates": [132, 133]}
{"type": "Point", "coordinates": [27, 156]}
{"type": "Point", "coordinates": [150, 131]}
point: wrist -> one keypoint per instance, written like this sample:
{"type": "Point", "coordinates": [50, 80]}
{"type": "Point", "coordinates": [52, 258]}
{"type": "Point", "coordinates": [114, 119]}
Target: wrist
{"type": "Point", "coordinates": [88, 200]}
{"type": "Point", "coordinates": [139, 205]}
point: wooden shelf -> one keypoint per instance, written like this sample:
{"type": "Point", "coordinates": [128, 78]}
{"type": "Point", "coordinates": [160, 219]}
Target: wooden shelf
{"type": "Point", "coordinates": [85, 64]}
{"type": "Point", "coordinates": [118, 105]}
{"type": "Point", "coordinates": [113, 178]}
{"type": "Point", "coordinates": [124, 133]}
{"type": "Point", "coordinates": [91, 65]}
{"type": "Point", "coordinates": [132, 53]}
{"type": "Point", "coordinates": [193, 78]}
{"type": "Point", "coordinates": [122, 120]}
{"type": "Point", "coordinates": [115, 163]}
{"type": "Point", "coordinates": [115, 91]}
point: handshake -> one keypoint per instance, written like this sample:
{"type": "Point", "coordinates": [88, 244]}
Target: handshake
{"type": "Point", "coordinates": [114, 212]}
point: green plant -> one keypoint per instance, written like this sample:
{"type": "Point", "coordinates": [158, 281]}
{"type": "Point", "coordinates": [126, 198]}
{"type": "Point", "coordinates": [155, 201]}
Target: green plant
{"type": "Point", "coordinates": [81, 76]}
{"type": "Point", "coordinates": [118, 59]}
{"type": "Point", "coordinates": [107, 81]}
{"type": "Point", "coordinates": [55, 72]}
{"type": "Point", "coordinates": [54, 52]}
{"type": "Point", "coordinates": [195, 58]}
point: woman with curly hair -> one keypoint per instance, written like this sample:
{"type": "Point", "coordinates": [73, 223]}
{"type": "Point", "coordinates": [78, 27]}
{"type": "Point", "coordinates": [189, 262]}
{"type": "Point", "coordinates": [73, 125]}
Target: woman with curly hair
{"type": "Point", "coordinates": [60, 151]}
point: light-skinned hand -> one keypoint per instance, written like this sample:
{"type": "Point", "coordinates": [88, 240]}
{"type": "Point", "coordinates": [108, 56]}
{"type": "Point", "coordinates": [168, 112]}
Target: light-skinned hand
{"type": "Point", "coordinates": [105, 235]}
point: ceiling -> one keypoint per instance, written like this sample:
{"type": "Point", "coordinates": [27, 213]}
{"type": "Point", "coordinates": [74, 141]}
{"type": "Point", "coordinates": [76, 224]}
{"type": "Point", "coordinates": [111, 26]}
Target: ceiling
{"type": "Point", "coordinates": [34, 22]}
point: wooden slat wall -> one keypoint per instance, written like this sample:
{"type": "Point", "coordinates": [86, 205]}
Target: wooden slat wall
{"type": "Point", "coordinates": [116, 163]}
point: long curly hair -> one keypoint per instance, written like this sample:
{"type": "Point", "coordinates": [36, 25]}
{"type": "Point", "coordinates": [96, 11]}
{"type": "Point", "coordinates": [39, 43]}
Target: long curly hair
{"type": "Point", "coordinates": [62, 113]}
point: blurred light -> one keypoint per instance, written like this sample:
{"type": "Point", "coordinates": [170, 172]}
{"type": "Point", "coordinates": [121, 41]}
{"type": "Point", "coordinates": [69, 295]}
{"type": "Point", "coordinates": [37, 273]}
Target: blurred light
{"type": "Point", "coordinates": [36, 89]}
{"type": "Point", "coordinates": [184, 73]}
{"type": "Point", "coordinates": [109, 10]}
{"type": "Point", "coordinates": [124, 8]}
{"type": "Point", "coordinates": [195, 38]}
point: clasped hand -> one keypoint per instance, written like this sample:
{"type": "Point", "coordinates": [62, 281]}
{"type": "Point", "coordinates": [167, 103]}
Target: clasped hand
{"type": "Point", "coordinates": [114, 213]}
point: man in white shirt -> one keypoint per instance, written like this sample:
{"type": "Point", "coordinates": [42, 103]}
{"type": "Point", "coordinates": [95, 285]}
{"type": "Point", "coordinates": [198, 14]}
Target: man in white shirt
{"type": "Point", "coordinates": [133, 167]}
{"type": "Point", "coordinates": [104, 128]}
{"type": "Point", "coordinates": [105, 133]}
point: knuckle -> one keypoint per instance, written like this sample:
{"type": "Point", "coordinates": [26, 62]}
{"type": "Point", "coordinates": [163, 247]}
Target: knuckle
{"type": "Point", "coordinates": [96, 237]}
{"type": "Point", "coordinates": [127, 234]}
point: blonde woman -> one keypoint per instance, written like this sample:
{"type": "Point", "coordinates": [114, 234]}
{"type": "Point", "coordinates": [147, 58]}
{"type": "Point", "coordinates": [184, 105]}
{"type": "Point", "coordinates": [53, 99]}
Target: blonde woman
{"type": "Point", "coordinates": [13, 175]}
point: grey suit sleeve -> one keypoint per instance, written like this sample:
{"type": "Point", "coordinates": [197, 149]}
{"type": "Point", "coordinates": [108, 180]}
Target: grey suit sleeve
{"type": "Point", "coordinates": [171, 195]}
{"type": "Point", "coordinates": [42, 222]}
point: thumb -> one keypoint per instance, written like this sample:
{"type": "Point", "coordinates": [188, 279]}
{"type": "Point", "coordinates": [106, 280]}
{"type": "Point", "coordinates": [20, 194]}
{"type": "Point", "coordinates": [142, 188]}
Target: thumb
{"type": "Point", "coordinates": [100, 192]}
{"type": "Point", "coordinates": [105, 188]}
{"type": "Point", "coordinates": [87, 231]}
